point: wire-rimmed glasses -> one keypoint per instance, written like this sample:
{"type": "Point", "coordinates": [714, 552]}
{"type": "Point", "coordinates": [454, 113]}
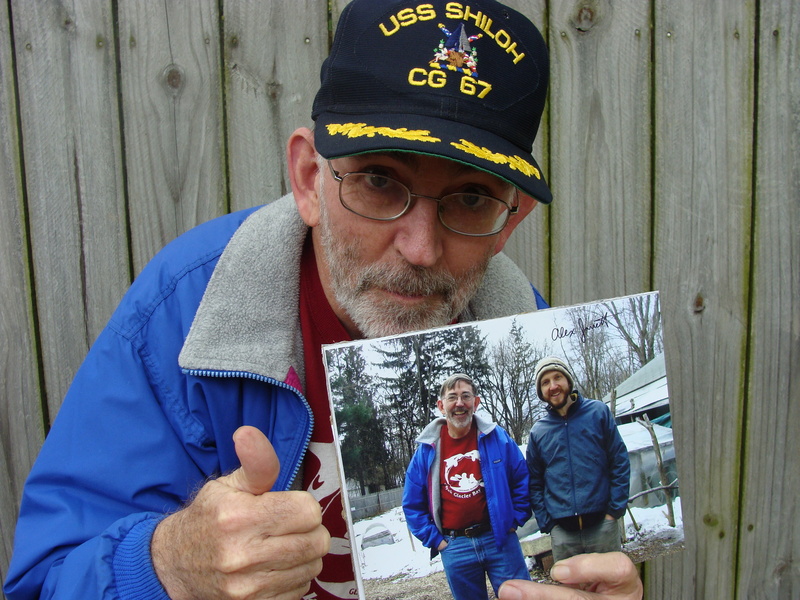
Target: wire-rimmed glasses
{"type": "Point", "coordinates": [381, 198]}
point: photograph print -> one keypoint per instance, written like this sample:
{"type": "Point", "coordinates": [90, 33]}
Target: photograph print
{"type": "Point", "coordinates": [520, 374]}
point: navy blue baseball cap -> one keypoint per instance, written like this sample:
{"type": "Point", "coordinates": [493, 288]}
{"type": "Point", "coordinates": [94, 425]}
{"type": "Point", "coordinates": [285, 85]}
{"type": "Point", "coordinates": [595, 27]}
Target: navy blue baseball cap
{"type": "Point", "coordinates": [465, 81]}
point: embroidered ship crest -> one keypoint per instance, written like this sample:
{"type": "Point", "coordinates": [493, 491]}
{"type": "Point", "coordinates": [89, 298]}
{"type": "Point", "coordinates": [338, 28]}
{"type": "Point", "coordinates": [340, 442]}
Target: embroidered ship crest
{"type": "Point", "coordinates": [455, 53]}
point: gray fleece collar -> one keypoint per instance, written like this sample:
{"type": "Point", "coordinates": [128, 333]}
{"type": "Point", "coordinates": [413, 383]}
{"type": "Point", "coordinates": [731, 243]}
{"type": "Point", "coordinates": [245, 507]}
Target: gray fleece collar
{"type": "Point", "coordinates": [248, 319]}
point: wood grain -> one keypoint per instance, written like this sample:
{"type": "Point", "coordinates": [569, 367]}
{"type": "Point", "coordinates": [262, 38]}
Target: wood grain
{"type": "Point", "coordinates": [704, 61]}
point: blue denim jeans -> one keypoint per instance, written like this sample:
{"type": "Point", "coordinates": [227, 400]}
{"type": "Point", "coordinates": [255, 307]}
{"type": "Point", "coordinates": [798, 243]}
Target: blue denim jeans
{"type": "Point", "coordinates": [603, 537]}
{"type": "Point", "coordinates": [467, 561]}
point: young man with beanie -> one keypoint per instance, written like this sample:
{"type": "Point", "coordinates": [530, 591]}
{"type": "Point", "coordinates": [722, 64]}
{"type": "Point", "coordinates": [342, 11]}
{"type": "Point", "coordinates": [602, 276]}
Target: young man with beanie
{"type": "Point", "coordinates": [466, 492]}
{"type": "Point", "coordinates": [193, 456]}
{"type": "Point", "coordinates": [578, 464]}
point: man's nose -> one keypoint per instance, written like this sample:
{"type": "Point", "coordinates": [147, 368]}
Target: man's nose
{"type": "Point", "coordinates": [419, 233]}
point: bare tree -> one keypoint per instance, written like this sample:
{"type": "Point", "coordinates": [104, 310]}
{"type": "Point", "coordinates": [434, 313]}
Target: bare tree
{"type": "Point", "coordinates": [599, 365]}
{"type": "Point", "coordinates": [638, 322]}
{"type": "Point", "coordinates": [510, 390]}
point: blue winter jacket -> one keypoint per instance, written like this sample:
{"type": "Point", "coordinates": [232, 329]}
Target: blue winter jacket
{"type": "Point", "coordinates": [578, 464]}
{"type": "Point", "coordinates": [206, 339]}
{"type": "Point", "coordinates": [505, 479]}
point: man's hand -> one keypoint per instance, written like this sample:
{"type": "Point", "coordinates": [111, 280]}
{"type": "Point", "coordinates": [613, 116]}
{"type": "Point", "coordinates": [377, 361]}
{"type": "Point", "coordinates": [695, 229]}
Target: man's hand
{"type": "Point", "coordinates": [239, 540]}
{"type": "Point", "coordinates": [610, 576]}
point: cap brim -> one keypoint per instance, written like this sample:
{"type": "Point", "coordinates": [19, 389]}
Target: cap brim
{"type": "Point", "coordinates": [337, 135]}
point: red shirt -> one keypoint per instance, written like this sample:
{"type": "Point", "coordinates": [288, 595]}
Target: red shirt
{"type": "Point", "coordinates": [463, 494]}
{"type": "Point", "coordinates": [320, 325]}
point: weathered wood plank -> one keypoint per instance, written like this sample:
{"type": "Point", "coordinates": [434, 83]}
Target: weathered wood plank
{"type": "Point", "coordinates": [73, 177]}
{"type": "Point", "coordinates": [21, 423]}
{"type": "Point", "coordinates": [172, 105]}
{"type": "Point", "coordinates": [704, 59]}
{"type": "Point", "coordinates": [529, 246]}
{"type": "Point", "coordinates": [600, 119]}
{"type": "Point", "coordinates": [273, 52]}
{"type": "Point", "coordinates": [770, 525]}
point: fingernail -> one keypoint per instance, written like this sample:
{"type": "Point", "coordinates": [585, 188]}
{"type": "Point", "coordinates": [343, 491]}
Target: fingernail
{"type": "Point", "coordinates": [508, 591]}
{"type": "Point", "coordinates": [560, 572]}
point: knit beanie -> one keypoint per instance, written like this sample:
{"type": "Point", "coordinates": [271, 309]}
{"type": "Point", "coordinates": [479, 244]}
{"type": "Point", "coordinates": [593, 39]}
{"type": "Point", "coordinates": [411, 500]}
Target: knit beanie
{"type": "Point", "coordinates": [552, 363]}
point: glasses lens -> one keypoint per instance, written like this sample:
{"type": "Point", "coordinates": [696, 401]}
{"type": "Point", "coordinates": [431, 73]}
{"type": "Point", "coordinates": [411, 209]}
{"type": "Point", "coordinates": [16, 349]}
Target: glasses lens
{"type": "Point", "coordinates": [374, 196]}
{"type": "Point", "coordinates": [377, 196]}
{"type": "Point", "coordinates": [473, 214]}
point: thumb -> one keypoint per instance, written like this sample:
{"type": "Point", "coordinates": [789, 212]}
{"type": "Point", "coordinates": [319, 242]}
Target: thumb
{"type": "Point", "coordinates": [260, 464]}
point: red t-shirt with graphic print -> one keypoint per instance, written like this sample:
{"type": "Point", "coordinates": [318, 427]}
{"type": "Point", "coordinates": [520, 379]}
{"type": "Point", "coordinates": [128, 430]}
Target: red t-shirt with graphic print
{"type": "Point", "coordinates": [461, 481]}
{"type": "Point", "coordinates": [320, 325]}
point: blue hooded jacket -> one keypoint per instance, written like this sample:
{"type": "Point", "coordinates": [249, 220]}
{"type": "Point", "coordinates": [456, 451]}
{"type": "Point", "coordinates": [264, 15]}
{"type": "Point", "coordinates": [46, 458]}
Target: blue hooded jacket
{"type": "Point", "coordinates": [207, 339]}
{"type": "Point", "coordinates": [505, 478]}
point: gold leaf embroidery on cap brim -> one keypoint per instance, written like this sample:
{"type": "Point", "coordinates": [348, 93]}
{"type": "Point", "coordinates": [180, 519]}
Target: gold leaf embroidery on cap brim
{"type": "Point", "coordinates": [515, 162]}
{"type": "Point", "coordinates": [353, 130]}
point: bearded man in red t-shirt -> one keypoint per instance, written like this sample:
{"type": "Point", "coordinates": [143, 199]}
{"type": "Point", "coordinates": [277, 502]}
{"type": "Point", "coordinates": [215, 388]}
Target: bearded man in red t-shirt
{"type": "Point", "coordinates": [466, 492]}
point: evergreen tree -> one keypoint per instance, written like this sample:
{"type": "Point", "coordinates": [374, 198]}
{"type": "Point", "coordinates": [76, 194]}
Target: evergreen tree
{"type": "Point", "coordinates": [361, 433]}
{"type": "Point", "coordinates": [417, 365]}
{"type": "Point", "coordinates": [466, 351]}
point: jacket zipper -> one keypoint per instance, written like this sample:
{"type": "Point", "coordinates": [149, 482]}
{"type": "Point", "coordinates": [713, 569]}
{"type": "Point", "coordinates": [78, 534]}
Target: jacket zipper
{"type": "Point", "coordinates": [271, 381]}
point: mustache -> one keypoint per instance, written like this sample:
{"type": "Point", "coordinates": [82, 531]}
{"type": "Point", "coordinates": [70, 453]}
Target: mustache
{"type": "Point", "coordinates": [409, 280]}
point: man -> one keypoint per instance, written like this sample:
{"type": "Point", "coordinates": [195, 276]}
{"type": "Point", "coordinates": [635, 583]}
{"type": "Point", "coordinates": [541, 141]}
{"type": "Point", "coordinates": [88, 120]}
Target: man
{"type": "Point", "coordinates": [466, 492]}
{"type": "Point", "coordinates": [579, 466]}
{"type": "Point", "coordinates": [403, 196]}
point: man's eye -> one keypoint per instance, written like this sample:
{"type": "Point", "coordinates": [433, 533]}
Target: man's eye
{"type": "Point", "coordinates": [472, 200]}
{"type": "Point", "coordinates": [377, 181]}
{"type": "Point", "coordinates": [473, 197]}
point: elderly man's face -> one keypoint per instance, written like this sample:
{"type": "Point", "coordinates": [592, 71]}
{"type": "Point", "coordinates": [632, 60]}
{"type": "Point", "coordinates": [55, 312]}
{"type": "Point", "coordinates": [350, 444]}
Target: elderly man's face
{"type": "Point", "coordinates": [457, 406]}
{"type": "Point", "coordinates": [388, 277]}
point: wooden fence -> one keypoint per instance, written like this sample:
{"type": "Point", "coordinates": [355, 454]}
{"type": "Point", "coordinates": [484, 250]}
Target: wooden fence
{"type": "Point", "coordinates": [670, 142]}
{"type": "Point", "coordinates": [369, 505]}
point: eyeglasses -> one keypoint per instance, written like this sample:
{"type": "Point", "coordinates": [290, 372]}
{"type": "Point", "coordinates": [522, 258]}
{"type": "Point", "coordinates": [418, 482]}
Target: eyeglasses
{"type": "Point", "coordinates": [465, 397]}
{"type": "Point", "coordinates": [382, 198]}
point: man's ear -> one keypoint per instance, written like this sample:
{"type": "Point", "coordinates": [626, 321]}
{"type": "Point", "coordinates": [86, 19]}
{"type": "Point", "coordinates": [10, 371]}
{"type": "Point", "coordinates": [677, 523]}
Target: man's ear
{"type": "Point", "coordinates": [301, 157]}
{"type": "Point", "coordinates": [526, 205]}
{"type": "Point", "coordinates": [440, 405]}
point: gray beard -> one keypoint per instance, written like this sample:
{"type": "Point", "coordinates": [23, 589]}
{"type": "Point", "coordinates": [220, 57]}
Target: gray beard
{"type": "Point", "coordinates": [376, 315]}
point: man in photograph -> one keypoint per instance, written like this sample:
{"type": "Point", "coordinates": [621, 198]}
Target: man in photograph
{"type": "Point", "coordinates": [466, 492]}
{"type": "Point", "coordinates": [578, 464]}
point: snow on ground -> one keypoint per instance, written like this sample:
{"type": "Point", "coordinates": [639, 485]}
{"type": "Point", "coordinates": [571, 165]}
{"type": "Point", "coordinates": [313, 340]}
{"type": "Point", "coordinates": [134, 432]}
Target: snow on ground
{"type": "Point", "coordinates": [655, 536]}
{"type": "Point", "coordinates": [407, 557]}
{"type": "Point", "coordinates": [653, 521]}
